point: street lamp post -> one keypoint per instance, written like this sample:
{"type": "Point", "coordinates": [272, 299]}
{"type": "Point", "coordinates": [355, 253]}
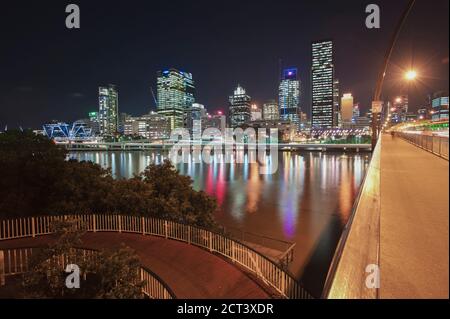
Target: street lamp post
{"type": "Point", "coordinates": [377, 105]}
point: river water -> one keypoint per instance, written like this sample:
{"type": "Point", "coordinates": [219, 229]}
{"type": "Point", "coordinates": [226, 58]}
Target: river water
{"type": "Point", "coordinates": [307, 200]}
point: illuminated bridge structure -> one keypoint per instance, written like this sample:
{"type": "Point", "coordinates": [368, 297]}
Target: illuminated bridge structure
{"type": "Point", "coordinates": [63, 131]}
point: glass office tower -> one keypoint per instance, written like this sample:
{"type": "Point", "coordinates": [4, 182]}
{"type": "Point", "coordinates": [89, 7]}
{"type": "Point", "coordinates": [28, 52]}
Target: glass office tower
{"type": "Point", "coordinates": [289, 97]}
{"type": "Point", "coordinates": [240, 108]}
{"type": "Point", "coordinates": [176, 94]}
{"type": "Point", "coordinates": [322, 85]}
{"type": "Point", "coordinates": [108, 114]}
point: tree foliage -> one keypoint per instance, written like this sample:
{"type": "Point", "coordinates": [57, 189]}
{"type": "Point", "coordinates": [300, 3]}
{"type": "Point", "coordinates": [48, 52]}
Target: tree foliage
{"type": "Point", "coordinates": [37, 179]}
{"type": "Point", "coordinates": [106, 275]}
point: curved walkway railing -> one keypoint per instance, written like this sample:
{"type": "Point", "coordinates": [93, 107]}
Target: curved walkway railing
{"type": "Point", "coordinates": [265, 269]}
{"type": "Point", "coordinates": [16, 261]}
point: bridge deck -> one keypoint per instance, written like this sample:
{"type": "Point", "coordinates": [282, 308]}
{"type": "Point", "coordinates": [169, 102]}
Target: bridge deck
{"type": "Point", "coordinates": [414, 244]}
{"type": "Point", "coordinates": [191, 272]}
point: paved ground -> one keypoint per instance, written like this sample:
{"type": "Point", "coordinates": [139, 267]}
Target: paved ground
{"type": "Point", "coordinates": [191, 272]}
{"type": "Point", "coordinates": [414, 229]}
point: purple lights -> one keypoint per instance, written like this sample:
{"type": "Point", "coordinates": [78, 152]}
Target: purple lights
{"type": "Point", "coordinates": [290, 74]}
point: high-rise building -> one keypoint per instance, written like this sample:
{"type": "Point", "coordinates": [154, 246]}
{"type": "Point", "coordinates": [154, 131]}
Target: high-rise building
{"type": "Point", "coordinates": [270, 110]}
{"type": "Point", "coordinates": [322, 85]}
{"type": "Point", "coordinates": [151, 126]}
{"type": "Point", "coordinates": [176, 94]}
{"type": "Point", "coordinates": [439, 105]}
{"type": "Point", "coordinates": [108, 114]}
{"type": "Point", "coordinates": [240, 105]}
{"type": "Point", "coordinates": [347, 108]}
{"type": "Point", "coordinates": [255, 113]}
{"type": "Point", "coordinates": [122, 118]}
{"type": "Point", "coordinates": [93, 122]}
{"type": "Point", "coordinates": [399, 109]}
{"type": "Point", "coordinates": [289, 97]}
{"type": "Point", "coordinates": [217, 121]}
{"type": "Point", "coordinates": [356, 111]}
{"type": "Point", "coordinates": [337, 103]}
{"type": "Point", "coordinates": [193, 119]}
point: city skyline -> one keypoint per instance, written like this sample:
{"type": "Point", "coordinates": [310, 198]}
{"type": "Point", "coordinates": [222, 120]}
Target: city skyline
{"type": "Point", "coordinates": [65, 88]}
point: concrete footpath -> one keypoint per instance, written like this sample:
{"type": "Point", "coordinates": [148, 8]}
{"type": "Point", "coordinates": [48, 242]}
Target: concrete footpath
{"type": "Point", "coordinates": [414, 233]}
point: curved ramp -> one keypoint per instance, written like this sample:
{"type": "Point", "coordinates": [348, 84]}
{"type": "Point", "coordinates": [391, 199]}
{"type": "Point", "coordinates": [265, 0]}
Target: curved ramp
{"type": "Point", "coordinates": [191, 272]}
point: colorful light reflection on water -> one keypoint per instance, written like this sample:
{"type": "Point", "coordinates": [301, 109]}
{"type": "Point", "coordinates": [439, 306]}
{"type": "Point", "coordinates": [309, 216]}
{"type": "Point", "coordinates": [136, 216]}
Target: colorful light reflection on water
{"type": "Point", "coordinates": [308, 200]}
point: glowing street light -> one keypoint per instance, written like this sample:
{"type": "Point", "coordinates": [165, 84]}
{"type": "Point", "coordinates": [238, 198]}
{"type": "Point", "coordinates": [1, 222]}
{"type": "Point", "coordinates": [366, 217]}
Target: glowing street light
{"type": "Point", "coordinates": [411, 75]}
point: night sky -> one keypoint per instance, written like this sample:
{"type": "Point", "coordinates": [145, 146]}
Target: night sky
{"type": "Point", "coordinates": [48, 72]}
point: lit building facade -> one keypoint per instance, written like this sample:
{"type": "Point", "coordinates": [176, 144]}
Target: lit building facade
{"type": "Point", "coordinates": [176, 94]}
{"type": "Point", "coordinates": [289, 96]}
{"type": "Point", "coordinates": [337, 103]}
{"type": "Point", "coordinates": [255, 113]}
{"type": "Point", "coordinates": [322, 72]}
{"type": "Point", "coordinates": [439, 106]}
{"type": "Point", "coordinates": [356, 112]}
{"type": "Point", "coordinates": [151, 126]}
{"type": "Point", "coordinates": [108, 114]}
{"type": "Point", "coordinates": [399, 109]}
{"type": "Point", "coordinates": [218, 121]}
{"type": "Point", "coordinates": [239, 108]}
{"type": "Point", "coordinates": [193, 119]}
{"type": "Point", "coordinates": [270, 110]}
{"type": "Point", "coordinates": [347, 108]}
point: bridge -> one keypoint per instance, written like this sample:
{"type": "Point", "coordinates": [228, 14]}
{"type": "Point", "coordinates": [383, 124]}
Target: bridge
{"type": "Point", "coordinates": [396, 242]}
{"type": "Point", "coordinates": [142, 146]}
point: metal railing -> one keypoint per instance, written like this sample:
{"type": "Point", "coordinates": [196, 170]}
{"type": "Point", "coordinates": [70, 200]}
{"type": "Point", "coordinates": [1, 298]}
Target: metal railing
{"type": "Point", "coordinates": [280, 251]}
{"type": "Point", "coordinates": [437, 145]}
{"type": "Point", "coordinates": [16, 261]}
{"type": "Point", "coordinates": [265, 269]}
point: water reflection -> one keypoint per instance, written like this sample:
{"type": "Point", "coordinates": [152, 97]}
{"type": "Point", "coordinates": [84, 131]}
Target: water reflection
{"type": "Point", "coordinates": [308, 200]}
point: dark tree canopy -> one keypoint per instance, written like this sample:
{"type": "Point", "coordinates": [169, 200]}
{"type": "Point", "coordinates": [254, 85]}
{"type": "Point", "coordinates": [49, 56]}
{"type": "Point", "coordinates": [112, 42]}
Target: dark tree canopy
{"type": "Point", "coordinates": [37, 179]}
{"type": "Point", "coordinates": [107, 275]}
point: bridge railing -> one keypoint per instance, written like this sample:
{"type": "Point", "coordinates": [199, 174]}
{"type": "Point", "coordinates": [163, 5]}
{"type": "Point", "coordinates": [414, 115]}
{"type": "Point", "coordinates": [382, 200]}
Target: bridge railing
{"type": "Point", "coordinates": [265, 269]}
{"type": "Point", "coordinates": [437, 145]}
{"type": "Point", "coordinates": [16, 261]}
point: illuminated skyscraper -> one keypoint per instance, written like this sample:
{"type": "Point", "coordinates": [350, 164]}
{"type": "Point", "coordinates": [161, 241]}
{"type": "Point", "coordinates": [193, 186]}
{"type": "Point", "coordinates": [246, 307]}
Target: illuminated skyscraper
{"type": "Point", "coordinates": [240, 106]}
{"type": "Point", "coordinates": [176, 94]}
{"type": "Point", "coordinates": [289, 96]}
{"type": "Point", "coordinates": [108, 114]}
{"type": "Point", "coordinates": [271, 111]}
{"type": "Point", "coordinates": [337, 103]}
{"type": "Point", "coordinates": [322, 71]}
{"type": "Point", "coordinates": [399, 109]}
{"type": "Point", "coordinates": [347, 108]}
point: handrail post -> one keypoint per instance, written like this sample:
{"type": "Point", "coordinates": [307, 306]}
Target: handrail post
{"type": "Point", "coordinates": [2, 268]}
{"type": "Point", "coordinates": [120, 223]}
{"type": "Point", "coordinates": [210, 241]}
{"type": "Point", "coordinates": [233, 251]}
{"type": "Point", "coordinates": [165, 229]}
{"type": "Point", "coordinates": [94, 223]}
{"type": "Point", "coordinates": [143, 225]}
{"type": "Point", "coordinates": [189, 234]}
{"type": "Point", "coordinates": [33, 230]}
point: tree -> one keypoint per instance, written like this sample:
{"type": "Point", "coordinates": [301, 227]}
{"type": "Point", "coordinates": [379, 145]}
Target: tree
{"type": "Point", "coordinates": [174, 197]}
{"type": "Point", "coordinates": [106, 274]}
{"type": "Point", "coordinates": [37, 179]}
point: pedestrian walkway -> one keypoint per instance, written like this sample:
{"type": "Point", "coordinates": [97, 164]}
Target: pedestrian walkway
{"type": "Point", "coordinates": [190, 272]}
{"type": "Point", "coordinates": [414, 233]}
